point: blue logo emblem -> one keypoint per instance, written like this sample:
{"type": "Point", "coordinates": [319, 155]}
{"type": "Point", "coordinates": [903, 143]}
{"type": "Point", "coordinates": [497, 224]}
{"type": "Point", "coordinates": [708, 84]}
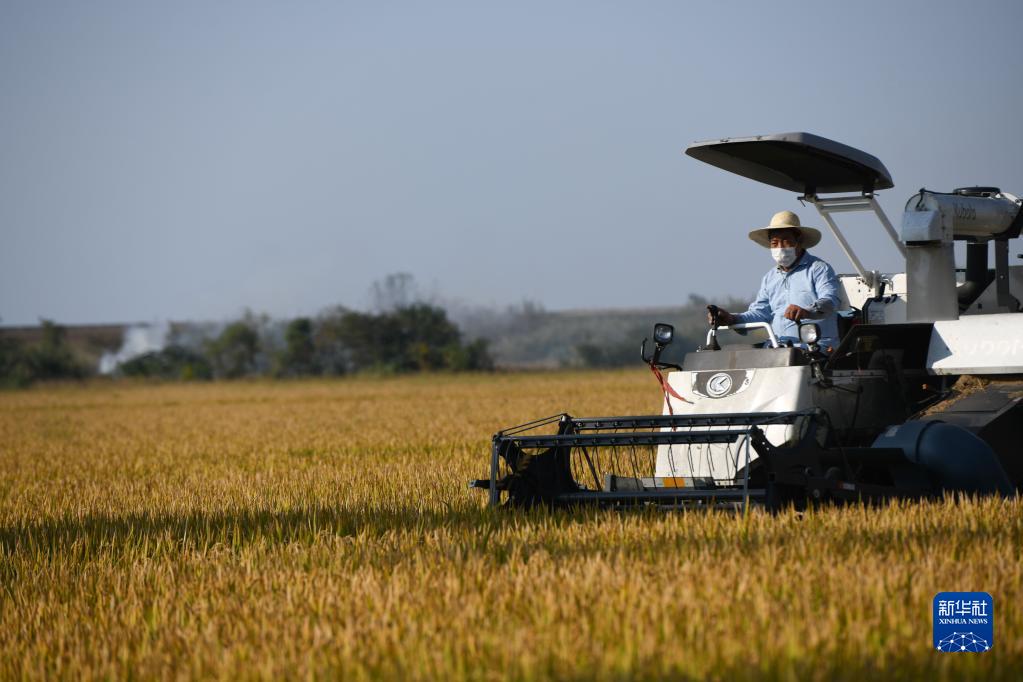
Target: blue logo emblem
{"type": "Point", "coordinates": [964, 621]}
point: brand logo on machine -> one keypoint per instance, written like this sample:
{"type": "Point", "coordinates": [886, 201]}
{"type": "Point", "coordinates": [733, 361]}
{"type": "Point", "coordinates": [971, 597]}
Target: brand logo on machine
{"type": "Point", "coordinates": [963, 622]}
{"type": "Point", "coordinates": [721, 384]}
{"type": "Point", "coordinates": [963, 212]}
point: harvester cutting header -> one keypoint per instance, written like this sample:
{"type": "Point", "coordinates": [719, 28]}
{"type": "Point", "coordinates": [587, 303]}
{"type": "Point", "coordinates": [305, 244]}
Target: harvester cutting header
{"type": "Point", "coordinates": [906, 384]}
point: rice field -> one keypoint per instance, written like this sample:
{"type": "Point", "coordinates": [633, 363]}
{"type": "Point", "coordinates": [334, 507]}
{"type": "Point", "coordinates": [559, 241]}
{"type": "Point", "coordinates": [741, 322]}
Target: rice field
{"type": "Point", "coordinates": [323, 529]}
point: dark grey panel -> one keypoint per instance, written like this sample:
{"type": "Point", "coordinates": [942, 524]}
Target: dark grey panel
{"type": "Point", "coordinates": [993, 399]}
{"type": "Point", "coordinates": [864, 340]}
{"type": "Point", "coordinates": [799, 162]}
{"type": "Point", "coordinates": [753, 358]}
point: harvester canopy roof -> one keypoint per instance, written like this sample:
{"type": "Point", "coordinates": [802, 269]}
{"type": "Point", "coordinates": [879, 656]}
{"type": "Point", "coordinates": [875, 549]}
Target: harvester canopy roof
{"type": "Point", "coordinates": [799, 162]}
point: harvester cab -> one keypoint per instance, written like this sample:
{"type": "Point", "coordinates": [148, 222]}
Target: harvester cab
{"type": "Point", "coordinates": [923, 394]}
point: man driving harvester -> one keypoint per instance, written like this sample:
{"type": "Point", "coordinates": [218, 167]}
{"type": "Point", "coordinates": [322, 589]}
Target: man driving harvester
{"type": "Point", "coordinates": [801, 286]}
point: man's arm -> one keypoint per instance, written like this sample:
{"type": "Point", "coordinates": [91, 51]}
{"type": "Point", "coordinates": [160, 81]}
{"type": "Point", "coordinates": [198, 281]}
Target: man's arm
{"type": "Point", "coordinates": [826, 286]}
{"type": "Point", "coordinates": [760, 309]}
{"type": "Point", "coordinates": [825, 282]}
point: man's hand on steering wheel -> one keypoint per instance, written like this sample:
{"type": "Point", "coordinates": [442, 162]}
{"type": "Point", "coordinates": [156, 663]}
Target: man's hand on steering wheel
{"type": "Point", "coordinates": [795, 313]}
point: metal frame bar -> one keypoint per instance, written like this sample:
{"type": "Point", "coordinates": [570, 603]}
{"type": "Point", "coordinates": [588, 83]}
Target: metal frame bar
{"type": "Point", "coordinates": [678, 494]}
{"type": "Point", "coordinates": [1003, 295]}
{"type": "Point", "coordinates": [868, 278]}
{"type": "Point", "coordinates": [711, 333]}
{"type": "Point", "coordinates": [883, 217]}
{"type": "Point", "coordinates": [851, 204]}
{"type": "Point", "coordinates": [638, 438]}
{"type": "Point", "coordinates": [745, 478]}
{"type": "Point", "coordinates": [673, 420]}
{"type": "Point", "coordinates": [495, 463]}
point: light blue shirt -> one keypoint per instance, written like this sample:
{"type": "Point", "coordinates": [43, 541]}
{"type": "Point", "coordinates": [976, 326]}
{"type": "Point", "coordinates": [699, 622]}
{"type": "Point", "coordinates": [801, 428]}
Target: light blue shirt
{"type": "Point", "coordinates": [811, 282]}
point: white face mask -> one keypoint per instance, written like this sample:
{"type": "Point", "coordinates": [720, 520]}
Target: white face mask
{"type": "Point", "coordinates": [784, 256]}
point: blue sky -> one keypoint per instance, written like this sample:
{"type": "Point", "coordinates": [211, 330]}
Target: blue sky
{"type": "Point", "coordinates": [186, 160]}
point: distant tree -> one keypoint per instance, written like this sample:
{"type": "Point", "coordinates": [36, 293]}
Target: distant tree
{"type": "Point", "coordinates": [473, 356]}
{"type": "Point", "coordinates": [421, 333]}
{"type": "Point", "coordinates": [173, 362]}
{"type": "Point", "coordinates": [621, 354]}
{"type": "Point", "coordinates": [52, 357]}
{"type": "Point", "coordinates": [370, 340]}
{"type": "Point", "coordinates": [591, 355]}
{"type": "Point", "coordinates": [409, 338]}
{"type": "Point", "coordinates": [15, 366]}
{"type": "Point", "coordinates": [234, 352]}
{"type": "Point", "coordinates": [397, 290]}
{"type": "Point", "coordinates": [332, 356]}
{"type": "Point", "coordinates": [299, 357]}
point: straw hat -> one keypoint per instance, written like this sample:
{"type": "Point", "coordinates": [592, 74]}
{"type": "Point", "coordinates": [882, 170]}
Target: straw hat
{"type": "Point", "coordinates": [782, 220]}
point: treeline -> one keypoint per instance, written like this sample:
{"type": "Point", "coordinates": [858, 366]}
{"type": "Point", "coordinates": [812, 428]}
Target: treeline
{"type": "Point", "coordinates": [51, 358]}
{"type": "Point", "coordinates": [409, 338]}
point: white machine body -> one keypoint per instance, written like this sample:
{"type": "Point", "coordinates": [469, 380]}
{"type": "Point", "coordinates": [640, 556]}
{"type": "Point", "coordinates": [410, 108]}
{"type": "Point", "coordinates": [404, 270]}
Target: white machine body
{"type": "Point", "coordinates": [977, 344]}
{"type": "Point", "coordinates": [769, 389]}
{"type": "Point", "coordinates": [766, 389]}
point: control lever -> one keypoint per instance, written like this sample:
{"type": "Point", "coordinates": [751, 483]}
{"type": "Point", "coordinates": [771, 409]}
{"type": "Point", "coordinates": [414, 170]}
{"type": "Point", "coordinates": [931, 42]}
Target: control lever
{"type": "Point", "coordinates": [712, 336]}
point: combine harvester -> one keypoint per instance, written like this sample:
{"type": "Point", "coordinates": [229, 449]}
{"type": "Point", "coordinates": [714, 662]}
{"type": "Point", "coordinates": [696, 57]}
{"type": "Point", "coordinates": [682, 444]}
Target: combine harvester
{"type": "Point", "coordinates": [922, 396]}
